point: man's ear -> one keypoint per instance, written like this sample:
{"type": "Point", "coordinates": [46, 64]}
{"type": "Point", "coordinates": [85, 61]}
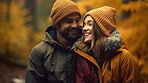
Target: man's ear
{"type": "Point", "coordinates": [57, 26]}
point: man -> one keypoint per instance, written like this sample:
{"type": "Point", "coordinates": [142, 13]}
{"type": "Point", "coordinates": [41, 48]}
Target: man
{"type": "Point", "coordinates": [53, 60]}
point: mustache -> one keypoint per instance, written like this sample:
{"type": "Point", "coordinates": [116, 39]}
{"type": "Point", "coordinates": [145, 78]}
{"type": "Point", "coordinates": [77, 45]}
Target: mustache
{"type": "Point", "coordinates": [71, 28]}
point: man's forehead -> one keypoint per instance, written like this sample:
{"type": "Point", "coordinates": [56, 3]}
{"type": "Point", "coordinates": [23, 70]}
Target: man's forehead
{"type": "Point", "coordinates": [72, 16]}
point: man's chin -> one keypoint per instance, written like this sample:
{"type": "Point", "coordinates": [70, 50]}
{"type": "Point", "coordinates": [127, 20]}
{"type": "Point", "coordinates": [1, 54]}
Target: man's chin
{"type": "Point", "coordinates": [72, 38]}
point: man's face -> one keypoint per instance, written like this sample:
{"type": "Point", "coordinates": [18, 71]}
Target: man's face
{"type": "Point", "coordinates": [69, 27]}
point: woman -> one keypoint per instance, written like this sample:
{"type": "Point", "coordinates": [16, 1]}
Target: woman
{"type": "Point", "coordinates": [103, 57]}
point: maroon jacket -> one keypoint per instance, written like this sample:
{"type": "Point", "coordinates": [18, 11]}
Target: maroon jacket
{"type": "Point", "coordinates": [89, 72]}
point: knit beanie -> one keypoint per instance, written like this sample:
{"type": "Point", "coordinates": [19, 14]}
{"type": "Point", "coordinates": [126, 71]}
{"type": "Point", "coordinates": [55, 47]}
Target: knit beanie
{"type": "Point", "coordinates": [105, 18]}
{"type": "Point", "coordinates": [61, 9]}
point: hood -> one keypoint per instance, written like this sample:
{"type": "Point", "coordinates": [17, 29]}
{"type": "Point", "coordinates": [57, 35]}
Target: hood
{"type": "Point", "coordinates": [113, 42]}
{"type": "Point", "coordinates": [51, 37]}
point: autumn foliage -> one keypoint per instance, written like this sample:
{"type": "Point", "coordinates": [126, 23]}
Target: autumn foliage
{"type": "Point", "coordinates": [17, 38]}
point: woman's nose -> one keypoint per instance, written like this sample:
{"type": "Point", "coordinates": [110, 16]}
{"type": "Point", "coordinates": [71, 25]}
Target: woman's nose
{"type": "Point", "coordinates": [84, 28]}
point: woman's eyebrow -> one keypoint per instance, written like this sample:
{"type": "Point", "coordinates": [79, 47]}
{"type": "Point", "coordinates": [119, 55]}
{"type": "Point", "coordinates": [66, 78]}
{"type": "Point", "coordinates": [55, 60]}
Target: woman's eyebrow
{"type": "Point", "coordinates": [89, 21]}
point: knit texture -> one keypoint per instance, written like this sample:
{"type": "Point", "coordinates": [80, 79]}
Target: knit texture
{"type": "Point", "coordinates": [105, 18]}
{"type": "Point", "coordinates": [61, 9]}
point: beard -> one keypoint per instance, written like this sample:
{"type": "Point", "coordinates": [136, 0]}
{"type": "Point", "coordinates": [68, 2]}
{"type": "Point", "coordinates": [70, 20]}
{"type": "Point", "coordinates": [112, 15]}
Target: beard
{"type": "Point", "coordinates": [71, 37]}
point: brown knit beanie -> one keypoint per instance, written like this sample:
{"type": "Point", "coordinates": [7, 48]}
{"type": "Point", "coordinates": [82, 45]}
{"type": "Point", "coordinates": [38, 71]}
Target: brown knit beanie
{"type": "Point", "coordinates": [105, 18]}
{"type": "Point", "coordinates": [61, 9]}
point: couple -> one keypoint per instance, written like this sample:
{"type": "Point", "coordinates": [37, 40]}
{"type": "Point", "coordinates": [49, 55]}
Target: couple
{"type": "Point", "coordinates": [67, 56]}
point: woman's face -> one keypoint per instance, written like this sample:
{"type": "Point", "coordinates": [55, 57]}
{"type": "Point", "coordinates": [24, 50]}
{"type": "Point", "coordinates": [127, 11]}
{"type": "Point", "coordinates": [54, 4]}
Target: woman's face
{"type": "Point", "coordinates": [88, 28]}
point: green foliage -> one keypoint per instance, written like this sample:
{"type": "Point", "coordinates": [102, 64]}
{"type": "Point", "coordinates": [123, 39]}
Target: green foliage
{"type": "Point", "coordinates": [43, 10]}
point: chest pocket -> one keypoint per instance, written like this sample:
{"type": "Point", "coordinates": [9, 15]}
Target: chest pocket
{"type": "Point", "coordinates": [55, 65]}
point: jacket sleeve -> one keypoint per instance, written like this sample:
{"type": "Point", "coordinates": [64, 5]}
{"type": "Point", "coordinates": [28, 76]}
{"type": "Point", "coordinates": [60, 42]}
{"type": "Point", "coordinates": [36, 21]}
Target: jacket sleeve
{"type": "Point", "coordinates": [129, 68]}
{"type": "Point", "coordinates": [80, 74]}
{"type": "Point", "coordinates": [35, 72]}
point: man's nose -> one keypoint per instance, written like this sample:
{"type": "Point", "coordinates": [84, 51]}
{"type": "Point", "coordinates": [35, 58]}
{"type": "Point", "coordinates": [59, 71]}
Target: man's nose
{"type": "Point", "coordinates": [74, 24]}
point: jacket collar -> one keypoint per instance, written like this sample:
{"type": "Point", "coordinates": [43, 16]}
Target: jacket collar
{"type": "Point", "coordinates": [113, 42]}
{"type": "Point", "coordinates": [51, 37]}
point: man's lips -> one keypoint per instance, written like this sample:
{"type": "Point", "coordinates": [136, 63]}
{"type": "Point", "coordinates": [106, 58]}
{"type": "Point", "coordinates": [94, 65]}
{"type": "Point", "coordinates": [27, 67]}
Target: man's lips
{"type": "Point", "coordinates": [73, 31]}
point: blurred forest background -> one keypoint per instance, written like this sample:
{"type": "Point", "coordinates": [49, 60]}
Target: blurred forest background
{"type": "Point", "coordinates": [22, 25]}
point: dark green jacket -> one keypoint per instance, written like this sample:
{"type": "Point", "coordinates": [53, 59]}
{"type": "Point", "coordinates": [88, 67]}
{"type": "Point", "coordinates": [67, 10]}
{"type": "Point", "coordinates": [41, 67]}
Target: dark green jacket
{"type": "Point", "coordinates": [49, 62]}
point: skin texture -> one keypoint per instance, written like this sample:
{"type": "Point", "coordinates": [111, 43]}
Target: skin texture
{"type": "Point", "coordinates": [87, 29]}
{"type": "Point", "coordinates": [68, 29]}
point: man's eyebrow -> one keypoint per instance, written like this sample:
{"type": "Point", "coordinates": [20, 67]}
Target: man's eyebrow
{"type": "Point", "coordinates": [78, 17]}
{"type": "Point", "coordinates": [68, 19]}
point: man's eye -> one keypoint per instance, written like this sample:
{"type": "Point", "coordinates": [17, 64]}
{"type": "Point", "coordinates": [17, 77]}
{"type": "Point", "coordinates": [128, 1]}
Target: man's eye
{"type": "Point", "coordinates": [69, 21]}
{"type": "Point", "coordinates": [77, 20]}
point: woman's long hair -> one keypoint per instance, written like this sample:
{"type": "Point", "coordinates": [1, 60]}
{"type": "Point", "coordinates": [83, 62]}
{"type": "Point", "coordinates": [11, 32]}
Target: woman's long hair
{"type": "Point", "coordinates": [98, 41]}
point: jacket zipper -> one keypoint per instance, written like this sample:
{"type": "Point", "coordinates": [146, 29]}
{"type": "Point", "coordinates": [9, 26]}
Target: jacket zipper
{"type": "Point", "coordinates": [66, 69]}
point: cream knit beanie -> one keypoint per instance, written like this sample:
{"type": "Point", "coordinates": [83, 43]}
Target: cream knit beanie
{"type": "Point", "coordinates": [61, 9]}
{"type": "Point", "coordinates": [105, 18]}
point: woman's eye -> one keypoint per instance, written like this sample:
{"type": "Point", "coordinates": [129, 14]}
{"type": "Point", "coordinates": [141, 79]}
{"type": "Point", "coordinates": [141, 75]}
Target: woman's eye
{"type": "Point", "coordinates": [90, 24]}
